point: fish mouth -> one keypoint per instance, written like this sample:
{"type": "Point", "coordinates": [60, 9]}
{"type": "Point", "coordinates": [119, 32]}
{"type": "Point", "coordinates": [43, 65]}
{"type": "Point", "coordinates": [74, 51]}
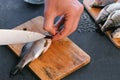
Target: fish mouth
{"type": "Point", "coordinates": [104, 29]}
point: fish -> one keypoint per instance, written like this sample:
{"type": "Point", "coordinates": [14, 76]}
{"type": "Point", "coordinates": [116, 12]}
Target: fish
{"type": "Point", "coordinates": [101, 3]}
{"type": "Point", "coordinates": [105, 12]}
{"type": "Point", "coordinates": [116, 33]}
{"type": "Point", "coordinates": [112, 22]}
{"type": "Point", "coordinates": [32, 51]}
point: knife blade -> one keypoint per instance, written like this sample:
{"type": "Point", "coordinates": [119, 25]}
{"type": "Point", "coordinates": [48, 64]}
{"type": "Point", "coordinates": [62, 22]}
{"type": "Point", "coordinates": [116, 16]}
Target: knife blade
{"type": "Point", "coordinates": [8, 36]}
{"type": "Point", "coordinates": [35, 1]}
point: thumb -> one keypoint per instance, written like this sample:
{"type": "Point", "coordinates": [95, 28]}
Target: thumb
{"type": "Point", "coordinates": [49, 24]}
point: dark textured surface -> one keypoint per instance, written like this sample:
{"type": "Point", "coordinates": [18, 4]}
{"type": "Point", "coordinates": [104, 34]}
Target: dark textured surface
{"type": "Point", "coordinates": [105, 58]}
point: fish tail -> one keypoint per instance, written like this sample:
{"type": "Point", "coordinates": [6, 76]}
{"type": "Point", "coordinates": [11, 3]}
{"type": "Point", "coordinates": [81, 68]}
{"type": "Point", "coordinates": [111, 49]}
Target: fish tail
{"type": "Point", "coordinates": [15, 71]}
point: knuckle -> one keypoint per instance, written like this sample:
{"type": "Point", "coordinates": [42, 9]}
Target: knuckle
{"type": "Point", "coordinates": [78, 9]}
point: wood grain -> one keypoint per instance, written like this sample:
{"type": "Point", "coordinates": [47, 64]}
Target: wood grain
{"type": "Point", "coordinates": [94, 13]}
{"type": "Point", "coordinates": [62, 58]}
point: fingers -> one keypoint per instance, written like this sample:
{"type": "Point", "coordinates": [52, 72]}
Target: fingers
{"type": "Point", "coordinates": [67, 30]}
{"type": "Point", "coordinates": [49, 23]}
{"type": "Point", "coordinates": [71, 11]}
{"type": "Point", "coordinates": [59, 23]}
{"type": "Point", "coordinates": [70, 20]}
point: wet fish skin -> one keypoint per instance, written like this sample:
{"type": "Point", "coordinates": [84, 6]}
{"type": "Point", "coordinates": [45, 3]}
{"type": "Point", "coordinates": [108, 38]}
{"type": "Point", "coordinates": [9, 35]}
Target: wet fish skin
{"type": "Point", "coordinates": [37, 48]}
{"type": "Point", "coordinates": [116, 33]}
{"type": "Point", "coordinates": [105, 12]}
{"type": "Point", "coordinates": [112, 22]}
{"type": "Point", "coordinates": [101, 3]}
{"type": "Point", "coordinates": [25, 49]}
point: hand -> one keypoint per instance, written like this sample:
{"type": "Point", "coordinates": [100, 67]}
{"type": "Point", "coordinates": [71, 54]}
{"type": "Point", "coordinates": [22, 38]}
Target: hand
{"type": "Point", "coordinates": [69, 12]}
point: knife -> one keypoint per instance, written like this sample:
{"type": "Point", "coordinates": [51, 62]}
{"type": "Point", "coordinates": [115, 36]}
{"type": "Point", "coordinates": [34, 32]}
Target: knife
{"type": "Point", "coordinates": [8, 36]}
{"type": "Point", "coordinates": [35, 1]}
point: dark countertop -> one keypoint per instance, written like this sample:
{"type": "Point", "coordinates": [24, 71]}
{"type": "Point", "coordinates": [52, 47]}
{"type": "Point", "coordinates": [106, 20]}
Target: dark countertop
{"type": "Point", "coordinates": [105, 57]}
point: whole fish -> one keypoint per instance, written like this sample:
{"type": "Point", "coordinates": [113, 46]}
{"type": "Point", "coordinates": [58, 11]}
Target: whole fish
{"type": "Point", "coordinates": [105, 12]}
{"type": "Point", "coordinates": [116, 33]}
{"type": "Point", "coordinates": [102, 3]}
{"type": "Point", "coordinates": [112, 22]}
{"type": "Point", "coordinates": [33, 51]}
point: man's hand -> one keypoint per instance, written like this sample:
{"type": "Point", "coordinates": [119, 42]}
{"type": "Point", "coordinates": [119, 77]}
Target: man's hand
{"type": "Point", "coordinates": [69, 12]}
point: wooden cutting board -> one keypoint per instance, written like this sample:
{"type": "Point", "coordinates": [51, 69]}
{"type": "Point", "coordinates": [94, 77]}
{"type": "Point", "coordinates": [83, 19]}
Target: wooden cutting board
{"type": "Point", "coordinates": [94, 13]}
{"type": "Point", "coordinates": [62, 58]}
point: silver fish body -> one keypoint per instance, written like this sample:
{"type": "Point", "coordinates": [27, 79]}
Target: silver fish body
{"type": "Point", "coordinates": [34, 50]}
{"type": "Point", "coordinates": [105, 12]}
{"type": "Point", "coordinates": [113, 21]}
{"type": "Point", "coordinates": [116, 33]}
{"type": "Point", "coordinates": [102, 3]}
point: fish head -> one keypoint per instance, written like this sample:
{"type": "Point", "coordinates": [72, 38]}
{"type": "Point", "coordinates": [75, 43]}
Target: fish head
{"type": "Point", "coordinates": [102, 17]}
{"type": "Point", "coordinates": [107, 25]}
